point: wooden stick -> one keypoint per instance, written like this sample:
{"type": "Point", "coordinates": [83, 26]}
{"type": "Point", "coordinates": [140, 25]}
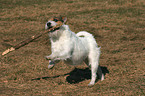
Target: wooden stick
{"type": "Point", "coordinates": [25, 42]}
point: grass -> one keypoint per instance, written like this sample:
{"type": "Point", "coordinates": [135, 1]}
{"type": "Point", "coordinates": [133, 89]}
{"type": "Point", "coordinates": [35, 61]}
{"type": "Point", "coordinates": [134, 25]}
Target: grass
{"type": "Point", "coordinates": [117, 25]}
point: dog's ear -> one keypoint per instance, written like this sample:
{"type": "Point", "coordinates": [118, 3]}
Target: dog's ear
{"type": "Point", "coordinates": [64, 19]}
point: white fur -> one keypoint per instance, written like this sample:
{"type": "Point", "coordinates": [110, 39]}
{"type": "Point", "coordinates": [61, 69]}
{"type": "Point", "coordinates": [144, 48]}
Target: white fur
{"type": "Point", "coordinates": [52, 24]}
{"type": "Point", "coordinates": [76, 48]}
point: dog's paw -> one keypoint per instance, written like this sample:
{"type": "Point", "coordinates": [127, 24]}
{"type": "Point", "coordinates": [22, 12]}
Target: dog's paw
{"type": "Point", "coordinates": [50, 66]}
{"type": "Point", "coordinates": [102, 78]}
{"type": "Point", "coordinates": [47, 57]}
{"type": "Point", "coordinates": [91, 84]}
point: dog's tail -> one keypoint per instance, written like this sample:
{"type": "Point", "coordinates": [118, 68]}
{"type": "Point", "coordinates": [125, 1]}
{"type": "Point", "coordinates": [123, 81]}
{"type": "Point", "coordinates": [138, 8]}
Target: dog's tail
{"type": "Point", "coordinates": [88, 36]}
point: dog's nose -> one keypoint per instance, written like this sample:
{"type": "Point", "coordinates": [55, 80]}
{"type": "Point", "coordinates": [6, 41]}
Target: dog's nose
{"type": "Point", "coordinates": [48, 24]}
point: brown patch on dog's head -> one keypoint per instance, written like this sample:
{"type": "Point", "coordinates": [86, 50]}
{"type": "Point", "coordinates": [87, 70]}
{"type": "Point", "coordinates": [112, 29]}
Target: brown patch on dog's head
{"type": "Point", "coordinates": [59, 19]}
{"type": "Point", "coordinates": [55, 22]}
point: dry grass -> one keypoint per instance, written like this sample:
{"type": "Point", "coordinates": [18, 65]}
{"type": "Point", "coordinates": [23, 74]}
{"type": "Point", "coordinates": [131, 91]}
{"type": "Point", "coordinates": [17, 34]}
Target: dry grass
{"type": "Point", "coordinates": [118, 26]}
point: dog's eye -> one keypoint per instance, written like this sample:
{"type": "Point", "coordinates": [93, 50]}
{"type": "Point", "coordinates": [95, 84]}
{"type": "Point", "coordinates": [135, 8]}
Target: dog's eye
{"type": "Point", "coordinates": [55, 20]}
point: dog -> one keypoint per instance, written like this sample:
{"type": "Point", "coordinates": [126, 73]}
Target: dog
{"type": "Point", "coordinates": [73, 48]}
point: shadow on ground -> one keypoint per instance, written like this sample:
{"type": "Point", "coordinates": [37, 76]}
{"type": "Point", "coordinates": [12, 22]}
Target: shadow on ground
{"type": "Point", "coordinates": [77, 75]}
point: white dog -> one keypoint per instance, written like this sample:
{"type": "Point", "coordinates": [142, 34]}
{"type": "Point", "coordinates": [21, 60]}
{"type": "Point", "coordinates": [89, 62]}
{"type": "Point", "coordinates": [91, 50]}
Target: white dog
{"type": "Point", "coordinates": [73, 48]}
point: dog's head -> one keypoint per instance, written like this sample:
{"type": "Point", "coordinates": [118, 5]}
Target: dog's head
{"type": "Point", "coordinates": [55, 22]}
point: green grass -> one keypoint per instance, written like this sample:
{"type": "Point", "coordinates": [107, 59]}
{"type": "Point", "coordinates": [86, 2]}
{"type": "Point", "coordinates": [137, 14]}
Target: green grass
{"type": "Point", "coordinates": [117, 25]}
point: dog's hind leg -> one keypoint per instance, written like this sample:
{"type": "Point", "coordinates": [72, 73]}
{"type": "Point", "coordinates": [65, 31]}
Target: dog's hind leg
{"type": "Point", "coordinates": [93, 73]}
{"type": "Point", "coordinates": [94, 56]}
{"type": "Point", "coordinates": [100, 74]}
{"type": "Point", "coordinates": [93, 66]}
{"type": "Point", "coordinates": [99, 71]}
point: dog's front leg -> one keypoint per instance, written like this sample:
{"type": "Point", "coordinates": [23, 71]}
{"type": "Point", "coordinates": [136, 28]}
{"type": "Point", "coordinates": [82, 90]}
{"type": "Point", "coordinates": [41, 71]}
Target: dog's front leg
{"type": "Point", "coordinates": [51, 61]}
{"type": "Point", "coordinates": [51, 64]}
{"type": "Point", "coordinates": [50, 57]}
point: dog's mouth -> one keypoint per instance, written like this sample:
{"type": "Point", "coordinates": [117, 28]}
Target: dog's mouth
{"type": "Point", "coordinates": [54, 29]}
{"type": "Point", "coordinates": [50, 27]}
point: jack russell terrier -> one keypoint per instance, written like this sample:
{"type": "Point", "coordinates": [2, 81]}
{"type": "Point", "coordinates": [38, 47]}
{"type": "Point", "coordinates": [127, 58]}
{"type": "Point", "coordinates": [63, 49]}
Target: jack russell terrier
{"type": "Point", "coordinates": [73, 48]}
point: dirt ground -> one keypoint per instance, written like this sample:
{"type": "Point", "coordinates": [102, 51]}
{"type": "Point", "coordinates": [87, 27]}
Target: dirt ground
{"type": "Point", "coordinates": [117, 25]}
